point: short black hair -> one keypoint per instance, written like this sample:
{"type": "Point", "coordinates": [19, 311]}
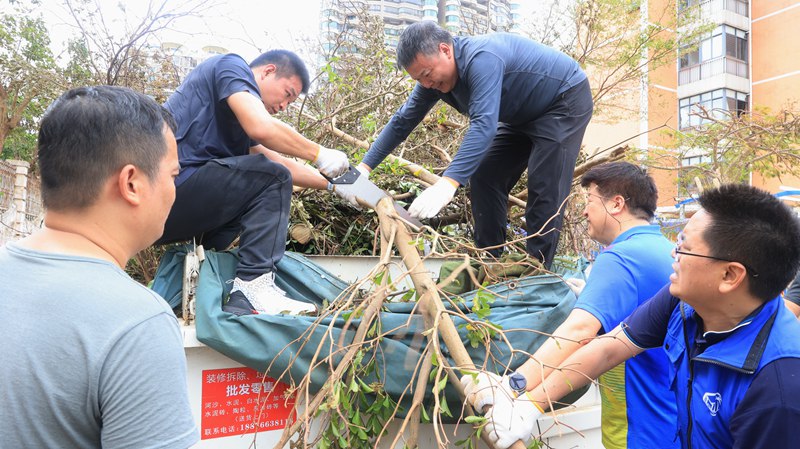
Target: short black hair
{"type": "Point", "coordinates": [627, 180]}
{"type": "Point", "coordinates": [287, 64]}
{"type": "Point", "coordinates": [89, 133]}
{"type": "Point", "coordinates": [750, 226]}
{"type": "Point", "coordinates": [421, 38]}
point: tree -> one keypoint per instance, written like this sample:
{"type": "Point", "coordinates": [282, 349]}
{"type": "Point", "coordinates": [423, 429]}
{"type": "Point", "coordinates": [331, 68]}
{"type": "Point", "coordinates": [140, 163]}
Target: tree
{"type": "Point", "coordinates": [29, 81]}
{"type": "Point", "coordinates": [357, 91]}
{"type": "Point", "coordinates": [617, 42]}
{"type": "Point", "coordinates": [729, 146]}
{"type": "Point", "coordinates": [120, 47]}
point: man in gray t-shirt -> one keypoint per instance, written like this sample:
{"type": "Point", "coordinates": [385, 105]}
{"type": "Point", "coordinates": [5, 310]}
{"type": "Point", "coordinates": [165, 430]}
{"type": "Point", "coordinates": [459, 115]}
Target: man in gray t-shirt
{"type": "Point", "coordinates": [90, 358]}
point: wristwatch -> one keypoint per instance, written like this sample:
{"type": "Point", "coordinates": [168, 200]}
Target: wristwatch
{"type": "Point", "coordinates": [518, 383]}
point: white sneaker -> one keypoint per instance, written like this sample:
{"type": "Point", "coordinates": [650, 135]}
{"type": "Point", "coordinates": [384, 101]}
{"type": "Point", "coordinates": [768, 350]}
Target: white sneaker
{"type": "Point", "coordinates": [266, 298]}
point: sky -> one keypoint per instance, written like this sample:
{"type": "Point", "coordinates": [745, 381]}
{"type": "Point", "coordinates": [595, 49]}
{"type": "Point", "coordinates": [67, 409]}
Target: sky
{"type": "Point", "coordinates": [246, 27]}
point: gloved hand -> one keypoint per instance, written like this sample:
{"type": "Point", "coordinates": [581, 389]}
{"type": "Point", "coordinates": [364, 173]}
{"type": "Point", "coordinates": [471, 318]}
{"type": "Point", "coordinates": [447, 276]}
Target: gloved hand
{"type": "Point", "coordinates": [481, 390]}
{"type": "Point", "coordinates": [331, 163]}
{"type": "Point", "coordinates": [511, 420]}
{"type": "Point", "coordinates": [350, 197]}
{"type": "Point", "coordinates": [433, 199]}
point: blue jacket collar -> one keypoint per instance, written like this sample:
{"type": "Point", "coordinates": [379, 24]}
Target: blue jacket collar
{"type": "Point", "coordinates": [728, 351]}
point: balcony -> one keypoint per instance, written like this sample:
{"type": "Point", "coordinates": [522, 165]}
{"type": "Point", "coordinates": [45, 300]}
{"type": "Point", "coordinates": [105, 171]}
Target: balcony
{"type": "Point", "coordinates": [708, 8]}
{"type": "Point", "coordinates": [711, 68]}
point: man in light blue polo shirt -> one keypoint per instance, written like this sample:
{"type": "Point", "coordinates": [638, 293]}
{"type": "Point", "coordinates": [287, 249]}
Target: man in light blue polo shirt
{"type": "Point", "coordinates": [528, 107]}
{"type": "Point", "coordinates": [638, 410]}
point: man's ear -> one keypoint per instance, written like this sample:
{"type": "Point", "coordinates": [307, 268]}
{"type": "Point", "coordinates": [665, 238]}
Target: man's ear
{"type": "Point", "coordinates": [129, 184]}
{"type": "Point", "coordinates": [617, 204]}
{"type": "Point", "coordinates": [267, 69]}
{"type": "Point", "coordinates": [733, 277]}
{"type": "Point", "coordinates": [446, 49]}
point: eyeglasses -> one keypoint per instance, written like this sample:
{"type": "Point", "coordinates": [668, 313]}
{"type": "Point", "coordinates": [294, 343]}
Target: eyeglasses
{"type": "Point", "coordinates": [677, 256]}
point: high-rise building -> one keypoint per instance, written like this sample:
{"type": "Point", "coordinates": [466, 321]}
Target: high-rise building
{"type": "Point", "coordinates": [747, 62]}
{"type": "Point", "coordinates": [458, 16]}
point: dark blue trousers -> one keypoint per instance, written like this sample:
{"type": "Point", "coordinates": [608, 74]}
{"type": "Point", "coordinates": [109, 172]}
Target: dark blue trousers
{"type": "Point", "coordinates": [547, 147]}
{"type": "Point", "coordinates": [247, 196]}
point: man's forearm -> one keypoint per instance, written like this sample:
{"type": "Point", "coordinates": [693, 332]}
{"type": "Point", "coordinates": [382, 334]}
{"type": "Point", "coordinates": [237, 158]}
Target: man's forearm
{"type": "Point", "coordinates": [302, 175]}
{"type": "Point", "coordinates": [285, 139]}
{"type": "Point", "coordinates": [574, 332]}
{"type": "Point", "coordinates": [551, 354]}
{"type": "Point", "coordinates": [269, 131]}
{"type": "Point", "coordinates": [585, 365]}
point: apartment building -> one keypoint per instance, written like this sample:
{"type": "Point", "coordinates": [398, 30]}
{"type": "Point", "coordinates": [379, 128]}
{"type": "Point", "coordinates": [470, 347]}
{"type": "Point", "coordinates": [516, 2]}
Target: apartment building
{"type": "Point", "coordinates": [458, 16]}
{"type": "Point", "coordinates": [748, 61]}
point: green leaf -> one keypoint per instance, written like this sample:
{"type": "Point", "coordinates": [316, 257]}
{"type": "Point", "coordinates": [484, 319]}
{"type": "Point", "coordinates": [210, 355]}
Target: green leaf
{"type": "Point", "coordinates": [445, 407]}
{"type": "Point", "coordinates": [474, 419]}
{"type": "Point", "coordinates": [335, 429]}
{"type": "Point", "coordinates": [440, 385]}
{"type": "Point", "coordinates": [365, 388]}
{"type": "Point", "coordinates": [425, 417]}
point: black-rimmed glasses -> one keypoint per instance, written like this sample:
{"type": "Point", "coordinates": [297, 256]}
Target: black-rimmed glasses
{"type": "Point", "coordinates": [677, 256]}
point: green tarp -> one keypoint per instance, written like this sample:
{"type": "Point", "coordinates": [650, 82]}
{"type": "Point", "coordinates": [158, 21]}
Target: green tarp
{"type": "Point", "coordinates": [526, 308]}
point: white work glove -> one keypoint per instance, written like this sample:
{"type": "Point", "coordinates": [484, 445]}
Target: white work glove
{"type": "Point", "coordinates": [433, 199]}
{"type": "Point", "coordinates": [331, 163]}
{"type": "Point", "coordinates": [512, 419]}
{"type": "Point", "coordinates": [481, 390]}
{"type": "Point", "coordinates": [350, 197]}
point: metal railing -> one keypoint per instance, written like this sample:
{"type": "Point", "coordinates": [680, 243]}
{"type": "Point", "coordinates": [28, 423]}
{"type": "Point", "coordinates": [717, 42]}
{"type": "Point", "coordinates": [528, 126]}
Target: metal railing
{"type": "Point", "coordinates": [713, 67]}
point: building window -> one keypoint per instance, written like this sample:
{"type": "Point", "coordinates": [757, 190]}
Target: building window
{"type": "Point", "coordinates": [411, 12]}
{"type": "Point", "coordinates": [429, 13]}
{"type": "Point", "coordinates": [717, 104]}
{"type": "Point", "coordinates": [709, 6]}
{"type": "Point", "coordinates": [724, 51]}
{"type": "Point", "coordinates": [330, 25]}
{"type": "Point", "coordinates": [736, 44]}
{"type": "Point", "coordinates": [692, 161]}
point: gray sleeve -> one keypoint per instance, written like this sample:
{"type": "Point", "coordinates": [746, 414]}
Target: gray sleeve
{"type": "Point", "coordinates": [792, 294]}
{"type": "Point", "coordinates": [143, 393]}
{"type": "Point", "coordinates": [400, 126]}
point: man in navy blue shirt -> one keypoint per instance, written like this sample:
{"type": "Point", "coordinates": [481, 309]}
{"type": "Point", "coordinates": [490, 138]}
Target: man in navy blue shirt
{"type": "Point", "coordinates": [733, 347]}
{"type": "Point", "coordinates": [528, 107]}
{"type": "Point", "coordinates": [233, 181]}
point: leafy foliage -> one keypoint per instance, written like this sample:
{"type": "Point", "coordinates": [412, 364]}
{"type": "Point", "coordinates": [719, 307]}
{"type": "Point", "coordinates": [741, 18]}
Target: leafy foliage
{"type": "Point", "coordinates": [29, 80]}
{"type": "Point", "coordinates": [356, 411]}
{"type": "Point", "coordinates": [731, 146]}
{"type": "Point", "coordinates": [358, 90]}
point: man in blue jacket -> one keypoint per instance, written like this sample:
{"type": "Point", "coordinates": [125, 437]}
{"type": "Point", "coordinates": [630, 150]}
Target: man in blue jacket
{"type": "Point", "coordinates": [733, 347]}
{"type": "Point", "coordinates": [528, 107]}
